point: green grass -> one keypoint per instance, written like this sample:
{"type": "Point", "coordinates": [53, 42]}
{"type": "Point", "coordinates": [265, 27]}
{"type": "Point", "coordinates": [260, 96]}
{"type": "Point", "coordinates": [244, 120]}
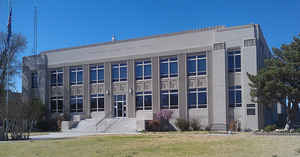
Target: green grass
{"type": "Point", "coordinates": [175, 144]}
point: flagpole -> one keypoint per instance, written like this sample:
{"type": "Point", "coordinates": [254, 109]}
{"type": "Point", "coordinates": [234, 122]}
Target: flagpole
{"type": "Point", "coordinates": [7, 59]}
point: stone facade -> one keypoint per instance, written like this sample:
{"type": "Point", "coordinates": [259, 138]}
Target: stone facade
{"type": "Point", "coordinates": [214, 43]}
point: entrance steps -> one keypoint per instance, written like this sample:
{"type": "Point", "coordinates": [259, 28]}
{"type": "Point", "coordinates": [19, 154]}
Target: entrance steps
{"type": "Point", "coordinates": [117, 125]}
{"type": "Point", "coordinates": [105, 125]}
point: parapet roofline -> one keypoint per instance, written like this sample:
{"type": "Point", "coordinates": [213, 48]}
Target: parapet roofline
{"type": "Point", "coordinates": [217, 28]}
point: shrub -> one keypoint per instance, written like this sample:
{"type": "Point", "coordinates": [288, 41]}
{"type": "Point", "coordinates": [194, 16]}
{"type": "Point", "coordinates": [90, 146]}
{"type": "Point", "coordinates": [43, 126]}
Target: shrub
{"type": "Point", "coordinates": [208, 128]}
{"type": "Point", "coordinates": [234, 126]}
{"type": "Point", "coordinates": [270, 128]}
{"type": "Point", "coordinates": [152, 125]}
{"type": "Point", "coordinates": [163, 115]}
{"type": "Point", "coordinates": [47, 125]}
{"type": "Point", "coordinates": [297, 130]}
{"type": "Point", "coordinates": [195, 125]}
{"type": "Point", "coordinates": [182, 124]}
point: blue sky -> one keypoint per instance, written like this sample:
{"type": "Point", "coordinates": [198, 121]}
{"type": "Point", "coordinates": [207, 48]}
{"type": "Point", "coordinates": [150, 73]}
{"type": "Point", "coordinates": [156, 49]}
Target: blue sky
{"type": "Point", "coordinates": [79, 22]}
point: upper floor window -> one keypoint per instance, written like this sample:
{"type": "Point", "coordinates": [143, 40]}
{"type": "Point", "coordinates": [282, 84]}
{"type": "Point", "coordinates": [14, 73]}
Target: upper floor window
{"type": "Point", "coordinates": [197, 98]}
{"type": "Point", "coordinates": [144, 101]}
{"type": "Point", "coordinates": [119, 72]}
{"type": "Point", "coordinates": [34, 80]}
{"type": "Point", "coordinates": [76, 75]}
{"type": "Point", "coordinates": [197, 65]}
{"type": "Point", "coordinates": [234, 61]}
{"type": "Point", "coordinates": [97, 102]}
{"type": "Point", "coordinates": [168, 67]}
{"type": "Point", "coordinates": [169, 99]}
{"type": "Point", "coordinates": [97, 73]}
{"type": "Point", "coordinates": [57, 78]}
{"type": "Point", "coordinates": [56, 104]}
{"type": "Point", "coordinates": [143, 70]}
{"type": "Point", "coordinates": [76, 104]}
{"type": "Point", "coordinates": [235, 96]}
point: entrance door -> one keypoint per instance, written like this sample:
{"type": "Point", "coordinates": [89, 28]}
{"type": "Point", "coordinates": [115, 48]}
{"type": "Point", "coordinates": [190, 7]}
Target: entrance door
{"type": "Point", "coordinates": [120, 106]}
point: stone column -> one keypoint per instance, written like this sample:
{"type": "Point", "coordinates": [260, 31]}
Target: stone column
{"type": "Point", "coordinates": [107, 90]}
{"type": "Point", "coordinates": [131, 89]}
{"type": "Point", "coordinates": [210, 89]}
{"type": "Point", "coordinates": [182, 91]}
{"type": "Point", "coordinates": [66, 78]}
{"type": "Point", "coordinates": [219, 85]}
{"type": "Point", "coordinates": [155, 85]}
{"type": "Point", "coordinates": [86, 92]}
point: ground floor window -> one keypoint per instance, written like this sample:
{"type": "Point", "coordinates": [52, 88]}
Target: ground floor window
{"type": "Point", "coordinates": [56, 104]}
{"type": "Point", "coordinates": [197, 98]}
{"type": "Point", "coordinates": [76, 104]}
{"type": "Point", "coordinates": [97, 103]}
{"type": "Point", "coordinates": [235, 96]}
{"type": "Point", "coordinates": [169, 99]}
{"type": "Point", "coordinates": [144, 101]}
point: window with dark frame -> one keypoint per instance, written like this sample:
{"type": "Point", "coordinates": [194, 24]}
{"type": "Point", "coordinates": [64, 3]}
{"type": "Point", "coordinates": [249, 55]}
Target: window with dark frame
{"type": "Point", "coordinates": [169, 99]}
{"type": "Point", "coordinates": [76, 104]}
{"type": "Point", "coordinates": [234, 61]}
{"type": "Point", "coordinates": [143, 70]}
{"type": "Point", "coordinates": [168, 67]}
{"type": "Point", "coordinates": [76, 75]}
{"type": "Point", "coordinates": [119, 72]}
{"type": "Point", "coordinates": [56, 104]}
{"type": "Point", "coordinates": [97, 74]}
{"type": "Point", "coordinates": [34, 80]}
{"type": "Point", "coordinates": [57, 77]}
{"type": "Point", "coordinates": [144, 100]}
{"type": "Point", "coordinates": [197, 65]}
{"type": "Point", "coordinates": [235, 96]}
{"type": "Point", "coordinates": [197, 98]}
{"type": "Point", "coordinates": [97, 103]}
{"type": "Point", "coordinates": [251, 109]}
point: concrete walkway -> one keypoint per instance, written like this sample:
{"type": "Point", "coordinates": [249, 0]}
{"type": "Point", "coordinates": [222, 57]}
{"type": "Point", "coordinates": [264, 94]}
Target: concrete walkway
{"type": "Point", "coordinates": [63, 135]}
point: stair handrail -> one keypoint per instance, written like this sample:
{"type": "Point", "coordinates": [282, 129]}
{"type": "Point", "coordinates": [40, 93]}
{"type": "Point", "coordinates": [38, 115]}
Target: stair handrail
{"type": "Point", "coordinates": [107, 115]}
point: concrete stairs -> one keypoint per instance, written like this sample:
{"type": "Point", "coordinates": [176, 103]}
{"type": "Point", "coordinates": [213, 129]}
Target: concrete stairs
{"type": "Point", "coordinates": [86, 125]}
{"type": "Point", "coordinates": [106, 125]}
{"type": "Point", "coordinates": [117, 125]}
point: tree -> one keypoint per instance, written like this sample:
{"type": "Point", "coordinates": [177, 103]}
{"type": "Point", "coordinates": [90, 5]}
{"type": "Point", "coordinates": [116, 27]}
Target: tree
{"type": "Point", "coordinates": [9, 57]}
{"type": "Point", "coordinates": [279, 80]}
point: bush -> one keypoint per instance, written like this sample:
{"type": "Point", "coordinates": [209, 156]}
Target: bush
{"type": "Point", "coordinates": [270, 128]}
{"type": "Point", "coordinates": [234, 126]}
{"type": "Point", "coordinates": [152, 125]}
{"type": "Point", "coordinates": [297, 130]}
{"type": "Point", "coordinates": [47, 125]}
{"type": "Point", "coordinates": [195, 125]}
{"type": "Point", "coordinates": [208, 128]}
{"type": "Point", "coordinates": [182, 124]}
{"type": "Point", "coordinates": [163, 115]}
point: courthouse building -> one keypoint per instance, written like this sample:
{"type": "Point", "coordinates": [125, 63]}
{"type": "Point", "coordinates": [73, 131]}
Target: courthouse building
{"type": "Point", "coordinates": [199, 74]}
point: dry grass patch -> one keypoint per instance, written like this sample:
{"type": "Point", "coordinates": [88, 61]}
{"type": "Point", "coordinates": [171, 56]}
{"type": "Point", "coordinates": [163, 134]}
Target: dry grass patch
{"type": "Point", "coordinates": [185, 144]}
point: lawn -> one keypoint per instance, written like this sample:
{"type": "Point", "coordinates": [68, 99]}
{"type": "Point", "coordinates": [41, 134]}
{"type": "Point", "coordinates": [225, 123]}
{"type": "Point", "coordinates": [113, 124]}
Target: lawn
{"type": "Point", "coordinates": [192, 144]}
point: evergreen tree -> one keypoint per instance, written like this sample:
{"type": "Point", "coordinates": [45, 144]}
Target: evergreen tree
{"type": "Point", "coordinates": [279, 80]}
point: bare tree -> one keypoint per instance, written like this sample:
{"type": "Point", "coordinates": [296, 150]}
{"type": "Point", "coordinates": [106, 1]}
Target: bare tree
{"type": "Point", "coordinates": [9, 63]}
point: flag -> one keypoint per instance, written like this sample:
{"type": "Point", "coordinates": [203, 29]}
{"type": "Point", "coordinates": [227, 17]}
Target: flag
{"type": "Point", "coordinates": [9, 26]}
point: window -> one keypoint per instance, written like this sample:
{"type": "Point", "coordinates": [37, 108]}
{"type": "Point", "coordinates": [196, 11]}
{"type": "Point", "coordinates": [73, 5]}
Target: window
{"type": "Point", "coordinates": [143, 70]}
{"type": "Point", "coordinates": [197, 65]}
{"type": "Point", "coordinates": [97, 73]}
{"type": "Point", "coordinates": [56, 104]}
{"type": "Point", "coordinates": [143, 101]}
{"type": "Point", "coordinates": [76, 75]}
{"type": "Point", "coordinates": [119, 72]}
{"type": "Point", "coordinates": [250, 109]}
{"type": "Point", "coordinates": [169, 99]}
{"type": "Point", "coordinates": [76, 104]}
{"type": "Point", "coordinates": [235, 96]}
{"type": "Point", "coordinates": [197, 98]}
{"type": "Point", "coordinates": [57, 78]}
{"type": "Point", "coordinates": [34, 80]}
{"type": "Point", "coordinates": [97, 102]}
{"type": "Point", "coordinates": [168, 67]}
{"type": "Point", "coordinates": [234, 61]}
